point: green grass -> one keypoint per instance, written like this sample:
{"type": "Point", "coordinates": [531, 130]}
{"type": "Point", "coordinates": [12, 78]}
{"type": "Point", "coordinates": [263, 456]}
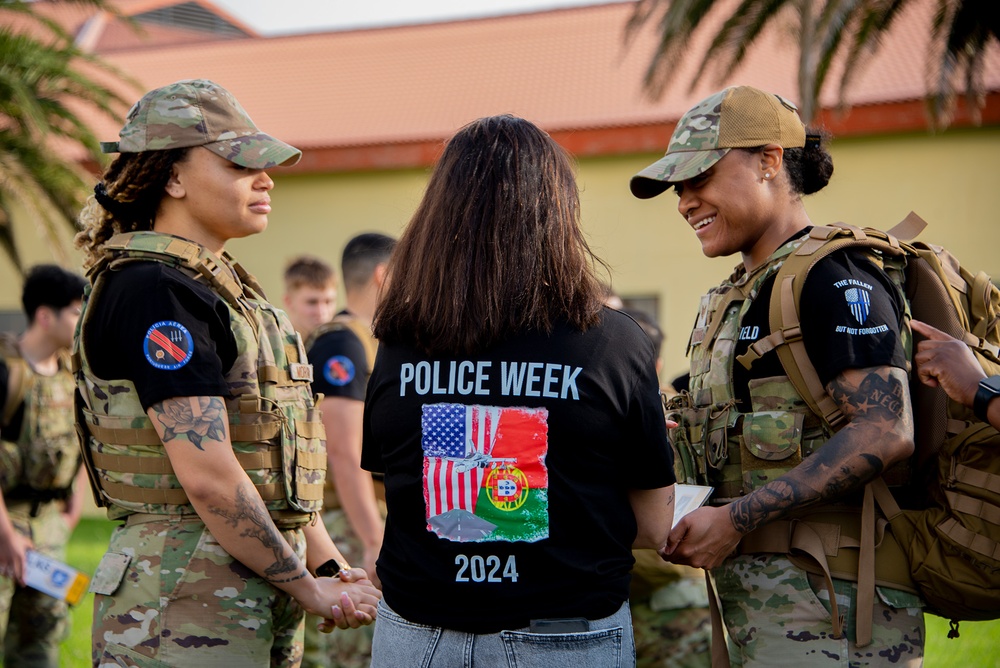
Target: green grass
{"type": "Point", "coordinates": [978, 646]}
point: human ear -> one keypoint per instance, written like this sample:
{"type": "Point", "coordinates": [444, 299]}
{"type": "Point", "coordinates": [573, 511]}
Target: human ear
{"type": "Point", "coordinates": [173, 187]}
{"type": "Point", "coordinates": [770, 161]}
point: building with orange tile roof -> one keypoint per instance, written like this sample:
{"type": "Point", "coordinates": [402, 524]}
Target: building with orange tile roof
{"type": "Point", "coordinates": [371, 108]}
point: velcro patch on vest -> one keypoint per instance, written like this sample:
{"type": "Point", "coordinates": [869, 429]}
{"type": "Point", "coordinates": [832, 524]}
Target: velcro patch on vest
{"type": "Point", "coordinates": [300, 371]}
{"type": "Point", "coordinates": [168, 345]}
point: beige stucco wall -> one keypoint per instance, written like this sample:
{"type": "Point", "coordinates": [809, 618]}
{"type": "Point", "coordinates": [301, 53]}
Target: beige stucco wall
{"type": "Point", "coordinates": [950, 179]}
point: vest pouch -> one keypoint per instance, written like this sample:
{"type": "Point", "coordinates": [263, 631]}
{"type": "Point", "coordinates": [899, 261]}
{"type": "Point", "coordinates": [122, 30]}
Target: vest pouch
{"type": "Point", "coordinates": [685, 439]}
{"type": "Point", "coordinates": [303, 447]}
{"type": "Point", "coordinates": [772, 445]}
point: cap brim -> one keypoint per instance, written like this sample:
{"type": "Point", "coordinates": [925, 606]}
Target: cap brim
{"type": "Point", "coordinates": [673, 168]}
{"type": "Point", "coordinates": [259, 151]}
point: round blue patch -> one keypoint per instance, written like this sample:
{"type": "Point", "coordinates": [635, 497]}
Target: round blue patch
{"type": "Point", "coordinates": [338, 370]}
{"type": "Point", "coordinates": [168, 345]}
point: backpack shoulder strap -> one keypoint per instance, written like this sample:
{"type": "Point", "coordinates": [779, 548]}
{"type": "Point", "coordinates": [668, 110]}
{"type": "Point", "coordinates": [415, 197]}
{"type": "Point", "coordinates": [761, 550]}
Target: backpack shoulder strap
{"type": "Point", "coordinates": [786, 331]}
{"type": "Point", "coordinates": [18, 378]}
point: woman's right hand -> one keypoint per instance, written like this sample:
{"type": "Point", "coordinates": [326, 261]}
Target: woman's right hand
{"type": "Point", "coordinates": [14, 558]}
{"type": "Point", "coordinates": [346, 601]}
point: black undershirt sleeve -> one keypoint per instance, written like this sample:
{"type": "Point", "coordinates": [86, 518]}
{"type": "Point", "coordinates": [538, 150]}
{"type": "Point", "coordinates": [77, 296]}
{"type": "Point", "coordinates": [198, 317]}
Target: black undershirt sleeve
{"type": "Point", "coordinates": [851, 314]}
{"type": "Point", "coordinates": [340, 365]}
{"type": "Point", "coordinates": [163, 331]}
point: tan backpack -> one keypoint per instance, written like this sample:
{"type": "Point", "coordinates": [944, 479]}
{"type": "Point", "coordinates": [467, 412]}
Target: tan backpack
{"type": "Point", "coordinates": [952, 546]}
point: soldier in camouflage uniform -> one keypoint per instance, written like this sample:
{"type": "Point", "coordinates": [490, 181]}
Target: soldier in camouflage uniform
{"type": "Point", "coordinates": [670, 618]}
{"type": "Point", "coordinates": [39, 461]}
{"type": "Point", "coordinates": [740, 161]}
{"type": "Point", "coordinates": [202, 435]}
{"type": "Point", "coordinates": [343, 353]}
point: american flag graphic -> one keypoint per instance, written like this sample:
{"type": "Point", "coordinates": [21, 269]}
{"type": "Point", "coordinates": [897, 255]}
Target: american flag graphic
{"type": "Point", "coordinates": [457, 442]}
{"type": "Point", "coordinates": [859, 302]}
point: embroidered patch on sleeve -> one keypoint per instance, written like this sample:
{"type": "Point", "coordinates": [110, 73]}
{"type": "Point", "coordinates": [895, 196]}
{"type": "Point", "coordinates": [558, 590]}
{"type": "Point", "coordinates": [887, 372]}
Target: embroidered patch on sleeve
{"type": "Point", "coordinates": [168, 345]}
{"type": "Point", "coordinates": [485, 477]}
{"type": "Point", "coordinates": [338, 370]}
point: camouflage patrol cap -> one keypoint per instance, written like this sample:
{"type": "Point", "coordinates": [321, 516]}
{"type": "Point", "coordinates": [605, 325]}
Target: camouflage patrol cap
{"type": "Point", "coordinates": [199, 112]}
{"type": "Point", "coordinates": [737, 117]}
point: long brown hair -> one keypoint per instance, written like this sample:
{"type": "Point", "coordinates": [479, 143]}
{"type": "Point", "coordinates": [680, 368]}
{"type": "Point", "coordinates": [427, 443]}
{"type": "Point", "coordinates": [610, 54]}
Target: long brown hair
{"type": "Point", "coordinates": [126, 198]}
{"type": "Point", "coordinates": [495, 247]}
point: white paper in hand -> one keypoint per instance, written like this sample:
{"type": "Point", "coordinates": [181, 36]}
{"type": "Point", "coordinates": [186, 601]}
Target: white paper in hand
{"type": "Point", "coordinates": [687, 498]}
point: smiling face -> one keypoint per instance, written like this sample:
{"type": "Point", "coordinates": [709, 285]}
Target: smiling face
{"type": "Point", "coordinates": [736, 207]}
{"type": "Point", "coordinates": [211, 200]}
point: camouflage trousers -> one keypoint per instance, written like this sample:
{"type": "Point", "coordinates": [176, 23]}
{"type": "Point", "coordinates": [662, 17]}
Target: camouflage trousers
{"type": "Point", "coordinates": [670, 618]}
{"type": "Point", "coordinates": [779, 615]}
{"type": "Point", "coordinates": [32, 624]}
{"type": "Point", "coordinates": [347, 648]}
{"type": "Point", "coordinates": [167, 594]}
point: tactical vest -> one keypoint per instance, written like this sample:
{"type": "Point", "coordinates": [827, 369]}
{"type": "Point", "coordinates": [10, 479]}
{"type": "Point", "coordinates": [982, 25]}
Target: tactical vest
{"type": "Point", "coordinates": [737, 449]}
{"type": "Point", "coordinates": [41, 460]}
{"type": "Point", "coordinates": [350, 322]}
{"type": "Point", "coordinates": [275, 426]}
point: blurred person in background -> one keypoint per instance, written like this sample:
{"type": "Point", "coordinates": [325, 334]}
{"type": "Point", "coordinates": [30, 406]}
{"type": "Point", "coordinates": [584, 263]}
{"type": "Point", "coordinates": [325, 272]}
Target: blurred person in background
{"type": "Point", "coordinates": [342, 352]}
{"type": "Point", "coordinates": [39, 462]}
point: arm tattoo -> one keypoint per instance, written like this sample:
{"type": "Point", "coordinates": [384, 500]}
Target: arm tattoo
{"type": "Point", "coordinates": [249, 510]}
{"type": "Point", "coordinates": [875, 407]}
{"type": "Point", "coordinates": [876, 397]}
{"type": "Point", "coordinates": [193, 418]}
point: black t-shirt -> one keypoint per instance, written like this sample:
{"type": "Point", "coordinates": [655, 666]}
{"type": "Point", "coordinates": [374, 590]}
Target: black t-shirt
{"type": "Point", "coordinates": [340, 365]}
{"type": "Point", "coordinates": [160, 329]}
{"type": "Point", "coordinates": [851, 315]}
{"type": "Point", "coordinates": [507, 474]}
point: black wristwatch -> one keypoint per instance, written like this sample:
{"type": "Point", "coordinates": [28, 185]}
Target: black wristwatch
{"type": "Point", "coordinates": [989, 389]}
{"type": "Point", "coordinates": [329, 569]}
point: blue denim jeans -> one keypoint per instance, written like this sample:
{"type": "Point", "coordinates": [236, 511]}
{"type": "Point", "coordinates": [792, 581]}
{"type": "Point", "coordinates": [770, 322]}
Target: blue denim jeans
{"type": "Point", "coordinates": [398, 642]}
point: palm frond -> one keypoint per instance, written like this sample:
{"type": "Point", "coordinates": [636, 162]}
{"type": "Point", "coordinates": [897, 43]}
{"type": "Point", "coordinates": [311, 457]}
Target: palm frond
{"type": "Point", "coordinates": [679, 20]}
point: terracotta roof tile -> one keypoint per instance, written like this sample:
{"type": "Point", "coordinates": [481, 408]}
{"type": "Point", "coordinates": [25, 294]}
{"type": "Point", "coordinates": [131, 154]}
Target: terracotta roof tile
{"type": "Point", "coordinates": [567, 70]}
{"type": "Point", "coordinates": [564, 69]}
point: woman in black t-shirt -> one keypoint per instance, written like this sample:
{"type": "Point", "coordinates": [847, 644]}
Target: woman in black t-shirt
{"type": "Point", "coordinates": [516, 419]}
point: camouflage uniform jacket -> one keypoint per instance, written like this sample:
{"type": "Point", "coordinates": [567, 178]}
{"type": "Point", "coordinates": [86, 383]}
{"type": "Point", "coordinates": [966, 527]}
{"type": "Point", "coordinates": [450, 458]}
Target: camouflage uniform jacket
{"type": "Point", "coordinates": [274, 424]}
{"type": "Point", "coordinates": [734, 448]}
{"type": "Point", "coordinates": [39, 462]}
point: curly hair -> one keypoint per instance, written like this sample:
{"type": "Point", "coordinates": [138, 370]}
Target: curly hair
{"type": "Point", "coordinates": [126, 198]}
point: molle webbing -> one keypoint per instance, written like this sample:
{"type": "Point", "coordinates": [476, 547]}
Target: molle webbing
{"type": "Point", "coordinates": [109, 430]}
{"type": "Point", "coordinates": [265, 459]}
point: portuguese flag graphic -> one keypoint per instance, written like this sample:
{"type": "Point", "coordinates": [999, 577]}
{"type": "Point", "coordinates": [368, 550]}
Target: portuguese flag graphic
{"type": "Point", "coordinates": [484, 472]}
